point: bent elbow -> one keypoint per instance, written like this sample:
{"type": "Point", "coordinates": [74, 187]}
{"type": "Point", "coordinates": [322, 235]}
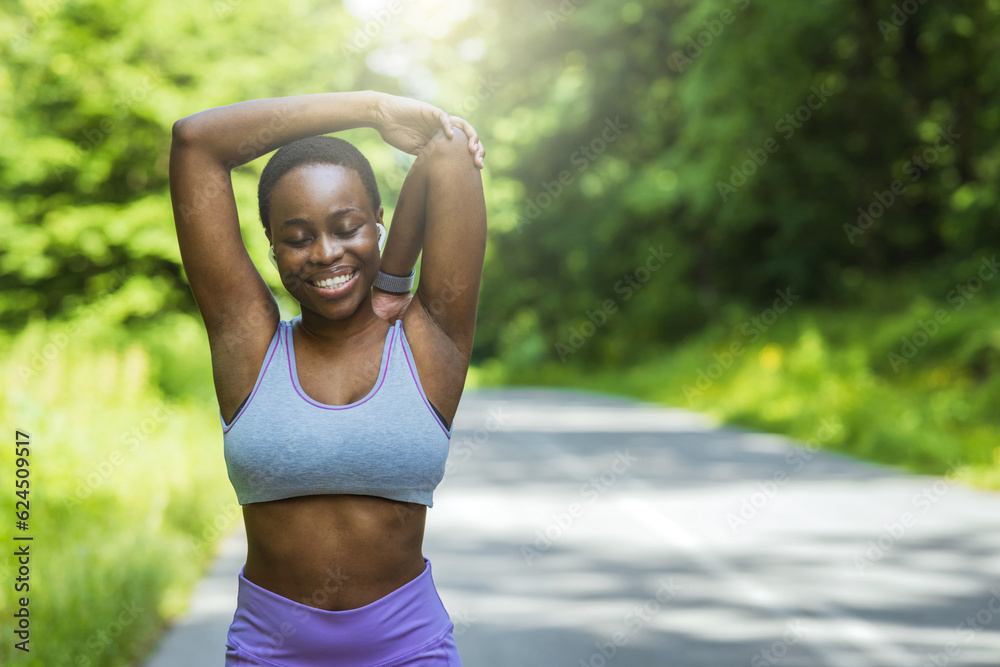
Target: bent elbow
{"type": "Point", "coordinates": [182, 132]}
{"type": "Point", "coordinates": [441, 147]}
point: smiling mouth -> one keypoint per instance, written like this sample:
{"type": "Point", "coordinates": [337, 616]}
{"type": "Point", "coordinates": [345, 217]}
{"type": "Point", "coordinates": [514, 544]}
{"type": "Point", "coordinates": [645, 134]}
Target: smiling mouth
{"type": "Point", "coordinates": [335, 284]}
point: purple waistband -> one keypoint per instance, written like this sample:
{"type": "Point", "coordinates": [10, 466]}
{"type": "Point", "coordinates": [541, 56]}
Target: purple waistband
{"type": "Point", "coordinates": [284, 632]}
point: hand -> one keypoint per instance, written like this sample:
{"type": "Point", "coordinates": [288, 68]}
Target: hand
{"type": "Point", "coordinates": [390, 307]}
{"type": "Point", "coordinates": [408, 124]}
{"type": "Point", "coordinates": [475, 146]}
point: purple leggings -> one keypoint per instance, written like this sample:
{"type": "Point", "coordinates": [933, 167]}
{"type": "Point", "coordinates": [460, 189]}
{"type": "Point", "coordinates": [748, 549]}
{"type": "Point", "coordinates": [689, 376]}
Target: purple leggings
{"type": "Point", "coordinates": [408, 627]}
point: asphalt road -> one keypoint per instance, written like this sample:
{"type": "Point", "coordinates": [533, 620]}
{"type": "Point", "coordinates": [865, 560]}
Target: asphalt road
{"type": "Point", "coordinates": [573, 529]}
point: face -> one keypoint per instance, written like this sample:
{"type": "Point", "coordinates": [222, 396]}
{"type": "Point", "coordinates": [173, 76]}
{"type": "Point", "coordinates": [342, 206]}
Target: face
{"type": "Point", "coordinates": [324, 231]}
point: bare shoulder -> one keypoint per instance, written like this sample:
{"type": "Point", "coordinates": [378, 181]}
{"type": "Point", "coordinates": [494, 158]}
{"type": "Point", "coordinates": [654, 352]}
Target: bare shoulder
{"type": "Point", "coordinates": [239, 345]}
{"type": "Point", "coordinates": [441, 365]}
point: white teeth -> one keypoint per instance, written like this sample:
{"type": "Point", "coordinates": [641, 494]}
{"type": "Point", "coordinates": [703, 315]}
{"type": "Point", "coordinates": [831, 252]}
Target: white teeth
{"type": "Point", "coordinates": [330, 283]}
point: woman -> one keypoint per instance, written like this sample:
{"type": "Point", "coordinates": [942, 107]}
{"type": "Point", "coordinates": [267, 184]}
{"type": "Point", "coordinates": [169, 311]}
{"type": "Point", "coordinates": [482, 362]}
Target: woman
{"type": "Point", "coordinates": [337, 422]}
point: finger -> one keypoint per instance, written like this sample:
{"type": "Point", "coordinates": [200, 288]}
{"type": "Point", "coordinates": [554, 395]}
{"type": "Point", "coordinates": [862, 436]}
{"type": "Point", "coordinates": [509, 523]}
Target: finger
{"type": "Point", "coordinates": [475, 144]}
{"type": "Point", "coordinates": [469, 130]}
{"type": "Point", "coordinates": [473, 137]}
{"type": "Point", "coordinates": [446, 121]}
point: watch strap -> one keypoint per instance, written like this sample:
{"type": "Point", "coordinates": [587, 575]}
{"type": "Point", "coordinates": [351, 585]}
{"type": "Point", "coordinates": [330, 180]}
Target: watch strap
{"type": "Point", "coordinates": [394, 284]}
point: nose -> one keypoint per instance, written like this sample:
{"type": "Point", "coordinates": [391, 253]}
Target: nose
{"type": "Point", "coordinates": [327, 249]}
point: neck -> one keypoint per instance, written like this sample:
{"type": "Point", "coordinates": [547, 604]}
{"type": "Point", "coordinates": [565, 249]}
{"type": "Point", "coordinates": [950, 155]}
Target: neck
{"type": "Point", "coordinates": [343, 333]}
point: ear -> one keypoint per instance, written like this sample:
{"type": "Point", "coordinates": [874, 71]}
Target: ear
{"type": "Point", "coordinates": [382, 233]}
{"type": "Point", "coordinates": [382, 236]}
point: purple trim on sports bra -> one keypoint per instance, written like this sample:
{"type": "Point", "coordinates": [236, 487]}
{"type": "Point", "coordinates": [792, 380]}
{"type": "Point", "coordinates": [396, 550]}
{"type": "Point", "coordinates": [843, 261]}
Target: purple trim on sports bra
{"type": "Point", "coordinates": [260, 376]}
{"type": "Point", "coordinates": [408, 353]}
{"type": "Point", "coordinates": [293, 371]}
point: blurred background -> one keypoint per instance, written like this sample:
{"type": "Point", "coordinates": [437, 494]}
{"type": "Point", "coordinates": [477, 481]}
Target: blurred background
{"type": "Point", "coordinates": [772, 212]}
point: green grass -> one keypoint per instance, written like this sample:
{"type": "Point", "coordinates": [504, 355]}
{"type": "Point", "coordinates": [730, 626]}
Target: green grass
{"type": "Point", "coordinates": [128, 489]}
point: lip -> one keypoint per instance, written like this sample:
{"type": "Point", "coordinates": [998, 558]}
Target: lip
{"type": "Point", "coordinates": [336, 291]}
{"type": "Point", "coordinates": [340, 270]}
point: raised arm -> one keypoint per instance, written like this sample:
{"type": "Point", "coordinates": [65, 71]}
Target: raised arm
{"type": "Point", "coordinates": [238, 133]}
{"type": "Point", "coordinates": [233, 298]}
{"type": "Point", "coordinates": [454, 241]}
{"type": "Point", "coordinates": [406, 231]}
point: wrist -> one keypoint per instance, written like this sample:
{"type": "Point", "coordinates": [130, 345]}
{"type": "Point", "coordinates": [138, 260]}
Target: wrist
{"type": "Point", "coordinates": [394, 284]}
{"type": "Point", "coordinates": [373, 108]}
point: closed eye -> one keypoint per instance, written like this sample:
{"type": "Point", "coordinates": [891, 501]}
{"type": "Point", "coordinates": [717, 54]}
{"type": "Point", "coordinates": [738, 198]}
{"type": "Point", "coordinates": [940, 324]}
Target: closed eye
{"type": "Point", "coordinates": [298, 243]}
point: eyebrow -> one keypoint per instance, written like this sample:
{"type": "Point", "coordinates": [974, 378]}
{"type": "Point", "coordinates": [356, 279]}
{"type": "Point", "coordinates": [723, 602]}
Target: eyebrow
{"type": "Point", "coordinates": [302, 221]}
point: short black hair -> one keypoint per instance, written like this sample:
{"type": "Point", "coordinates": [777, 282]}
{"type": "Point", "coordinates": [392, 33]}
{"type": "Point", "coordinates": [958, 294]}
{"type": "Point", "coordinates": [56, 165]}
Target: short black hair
{"type": "Point", "coordinates": [314, 150]}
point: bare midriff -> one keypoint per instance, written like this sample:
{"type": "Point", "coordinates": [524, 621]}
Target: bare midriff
{"type": "Point", "coordinates": [334, 552]}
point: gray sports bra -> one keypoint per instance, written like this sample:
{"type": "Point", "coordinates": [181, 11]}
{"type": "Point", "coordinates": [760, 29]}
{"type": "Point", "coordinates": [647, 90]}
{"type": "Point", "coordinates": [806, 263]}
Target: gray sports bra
{"type": "Point", "coordinates": [281, 443]}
